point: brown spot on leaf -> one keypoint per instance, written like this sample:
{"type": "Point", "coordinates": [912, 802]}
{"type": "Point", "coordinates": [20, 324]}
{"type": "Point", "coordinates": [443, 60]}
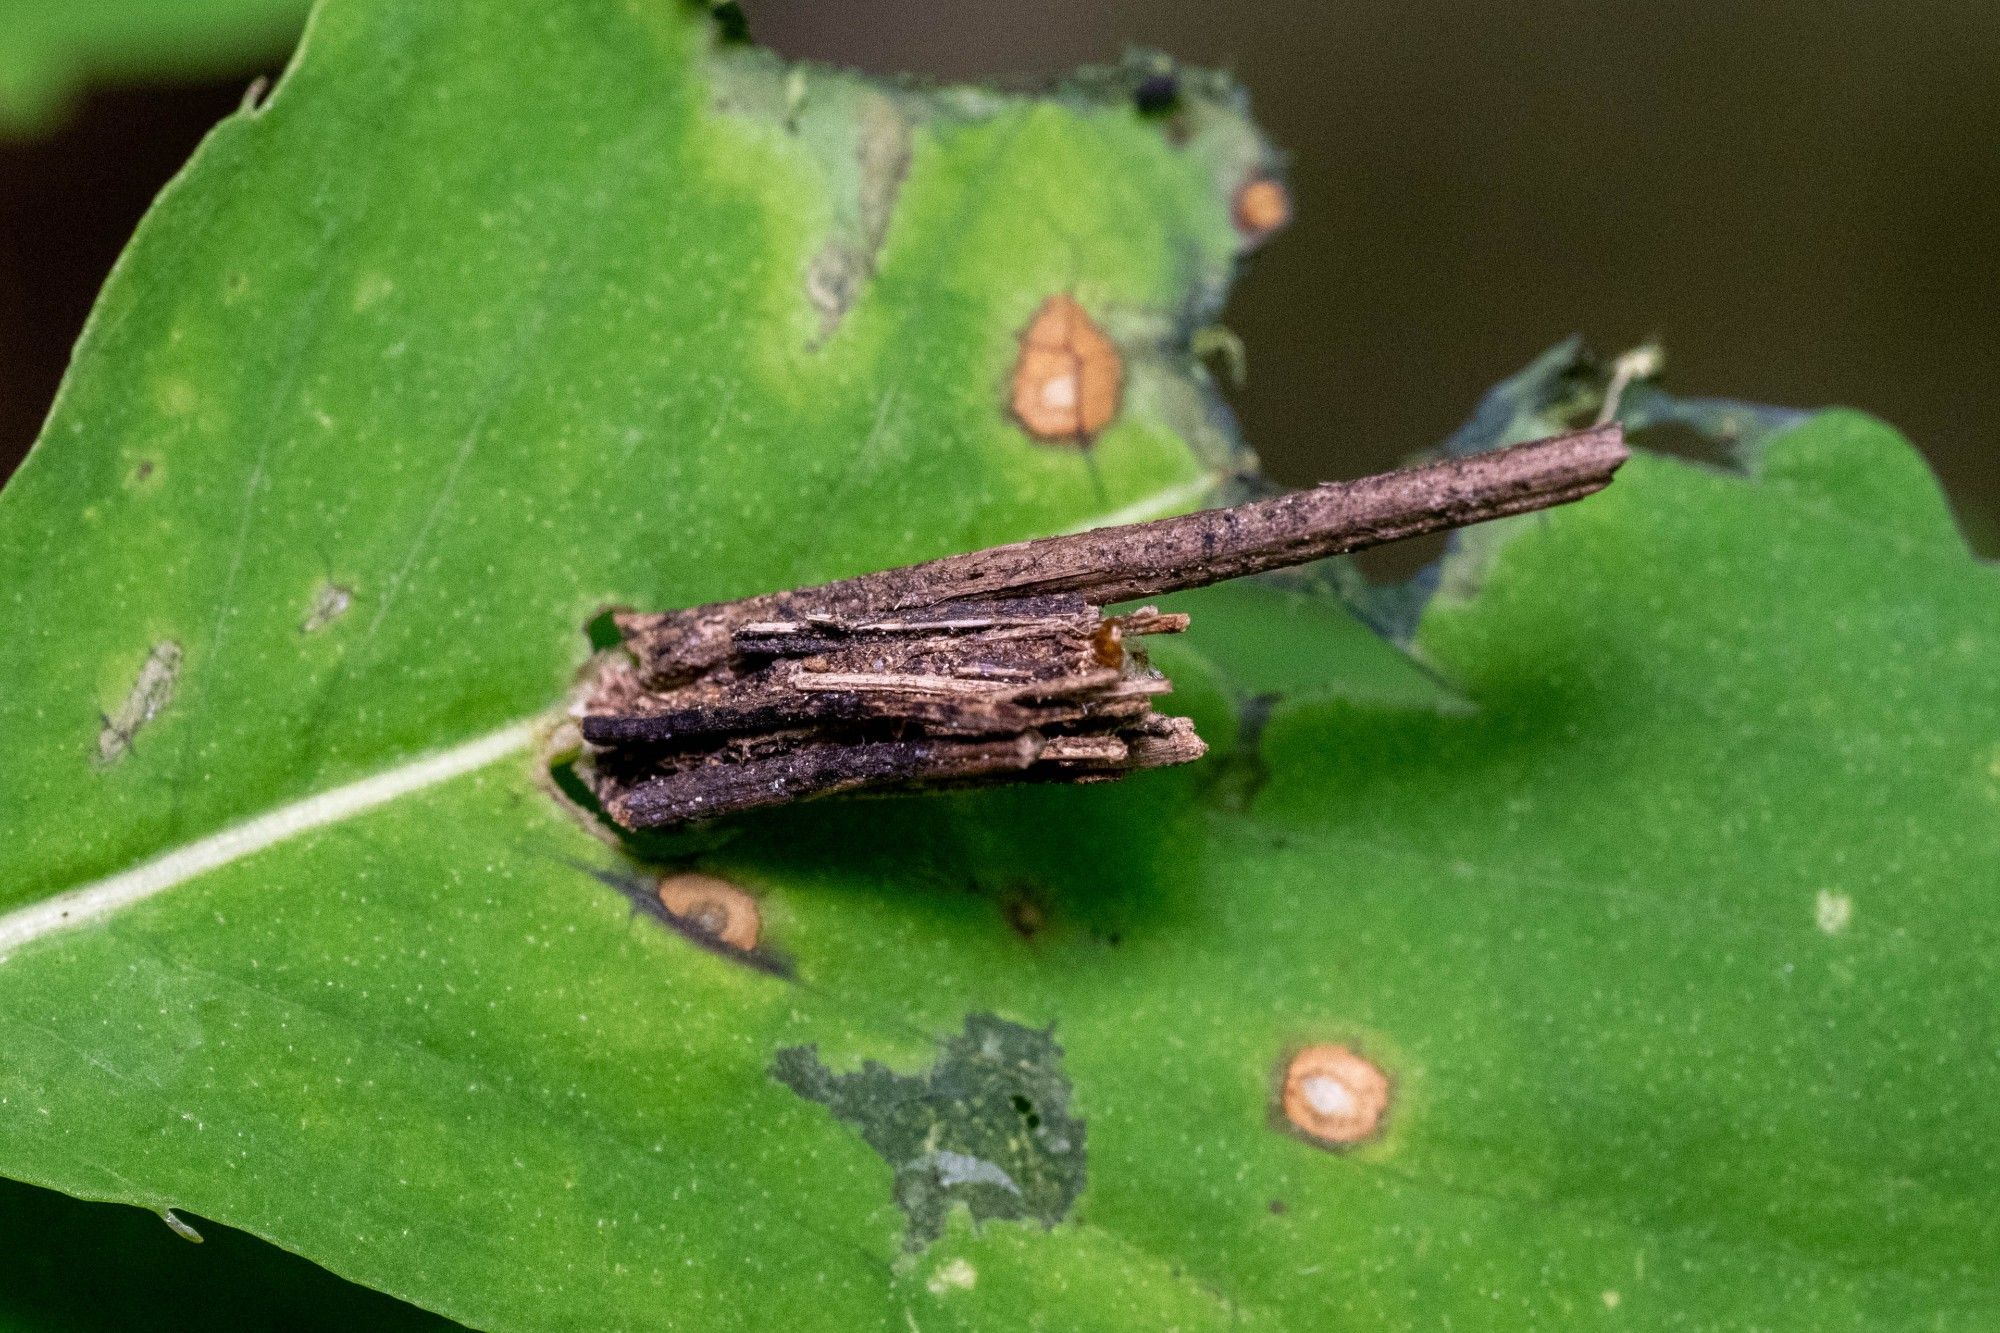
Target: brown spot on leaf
{"type": "Point", "coordinates": [1025, 915]}
{"type": "Point", "coordinates": [714, 908]}
{"type": "Point", "coordinates": [1333, 1096]}
{"type": "Point", "coordinates": [1070, 376]}
{"type": "Point", "coordinates": [1263, 206]}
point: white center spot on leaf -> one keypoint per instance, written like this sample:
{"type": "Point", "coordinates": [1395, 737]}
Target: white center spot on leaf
{"type": "Point", "coordinates": [715, 910]}
{"type": "Point", "coordinates": [1832, 911]}
{"type": "Point", "coordinates": [1069, 379]}
{"type": "Point", "coordinates": [1060, 393]}
{"type": "Point", "coordinates": [1328, 1096]}
{"type": "Point", "coordinates": [958, 1274]}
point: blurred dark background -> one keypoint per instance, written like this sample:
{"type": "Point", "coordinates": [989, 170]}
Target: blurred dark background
{"type": "Point", "coordinates": [1802, 199]}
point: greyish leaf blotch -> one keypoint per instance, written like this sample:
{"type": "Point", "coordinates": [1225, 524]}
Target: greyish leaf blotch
{"type": "Point", "coordinates": [987, 1125]}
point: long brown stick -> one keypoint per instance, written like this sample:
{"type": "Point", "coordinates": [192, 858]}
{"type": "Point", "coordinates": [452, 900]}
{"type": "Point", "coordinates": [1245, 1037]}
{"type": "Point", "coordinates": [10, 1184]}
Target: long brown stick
{"type": "Point", "coordinates": [1118, 564]}
{"type": "Point", "coordinates": [1108, 565]}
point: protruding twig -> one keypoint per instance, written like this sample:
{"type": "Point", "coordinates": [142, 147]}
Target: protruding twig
{"type": "Point", "coordinates": [1107, 565]}
{"type": "Point", "coordinates": [996, 664]}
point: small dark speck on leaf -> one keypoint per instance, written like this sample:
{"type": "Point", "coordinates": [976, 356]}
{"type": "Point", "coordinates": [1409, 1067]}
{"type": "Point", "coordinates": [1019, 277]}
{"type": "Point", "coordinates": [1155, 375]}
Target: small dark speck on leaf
{"type": "Point", "coordinates": [1025, 916]}
{"type": "Point", "coordinates": [987, 1125]}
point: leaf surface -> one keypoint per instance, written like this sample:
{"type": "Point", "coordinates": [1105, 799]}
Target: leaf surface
{"type": "Point", "coordinates": [1653, 883]}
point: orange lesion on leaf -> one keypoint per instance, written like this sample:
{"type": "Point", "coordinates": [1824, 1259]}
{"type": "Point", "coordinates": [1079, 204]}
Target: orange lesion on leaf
{"type": "Point", "coordinates": [1334, 1096]}
{"type": "Point", "coordinates": [1263, 206]}
{"type": "Point", "coordinates": [714, 908]}
{"type": "Point", "coordinates": [1070, 376]}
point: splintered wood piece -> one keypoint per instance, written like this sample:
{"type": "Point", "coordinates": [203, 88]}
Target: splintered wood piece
{"type": "Point", "coordinates": [812, 768]}
{"type": "Point", "coordinates": [997, 665]}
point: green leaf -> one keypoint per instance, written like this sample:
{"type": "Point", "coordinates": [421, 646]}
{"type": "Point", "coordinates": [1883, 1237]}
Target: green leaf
{"type": "Point", "coordinates": [1653, 886]}
{"type": "Point", "coordinates": [453, 345]}
{"type": "Point", "coordinates": [487, 320]}
{"type": "Point", "coordinates": [48, 50]}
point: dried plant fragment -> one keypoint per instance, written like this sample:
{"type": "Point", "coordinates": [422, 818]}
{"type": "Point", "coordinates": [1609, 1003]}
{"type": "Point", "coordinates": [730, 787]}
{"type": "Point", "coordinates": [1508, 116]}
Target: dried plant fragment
{"type": "Point", "coordinates": [999, 665]}
{"type": "Point", "coordinates": [1069, 377]}
{"type": "Point", "coordinates": [150, 692]}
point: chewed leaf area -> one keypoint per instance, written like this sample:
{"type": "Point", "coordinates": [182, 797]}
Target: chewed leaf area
{"type": "Point", "coordinates": [987, 1125]}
